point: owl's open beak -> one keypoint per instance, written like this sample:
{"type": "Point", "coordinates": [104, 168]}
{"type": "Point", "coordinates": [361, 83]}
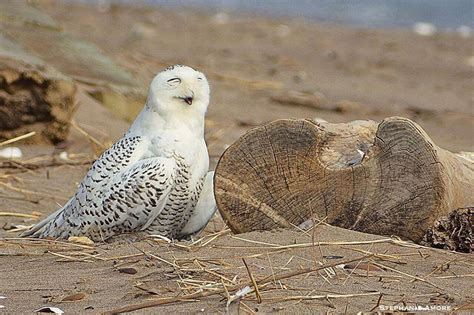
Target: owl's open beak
{"type": "Point", "coordinates": [188, 100]}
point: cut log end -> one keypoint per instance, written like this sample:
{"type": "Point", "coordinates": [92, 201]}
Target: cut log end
{"type": "Point", "coordinates": [386, 178]}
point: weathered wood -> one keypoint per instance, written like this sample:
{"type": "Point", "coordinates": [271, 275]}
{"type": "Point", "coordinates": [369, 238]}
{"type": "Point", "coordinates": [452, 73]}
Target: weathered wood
{"type": "Point", "coordinates": [33, 96]}
{"type": "Point", "coordinates": [386, 178]}
{"type": "Point", "coordinates": [453, 232]}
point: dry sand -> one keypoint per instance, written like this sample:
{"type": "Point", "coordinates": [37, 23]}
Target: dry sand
{"type": "Point", "coordinates": [31, 278]}
{"type": "Point", "coordinates": [248, 60]}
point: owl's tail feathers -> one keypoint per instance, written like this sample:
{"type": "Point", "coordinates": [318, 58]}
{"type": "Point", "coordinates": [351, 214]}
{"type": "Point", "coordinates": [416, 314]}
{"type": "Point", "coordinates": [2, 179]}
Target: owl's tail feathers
{"type": "Point", "coordinates": [41, 229]}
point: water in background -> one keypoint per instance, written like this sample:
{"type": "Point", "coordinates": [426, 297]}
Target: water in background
{"type": "Point", "coordinates": [444, 14]}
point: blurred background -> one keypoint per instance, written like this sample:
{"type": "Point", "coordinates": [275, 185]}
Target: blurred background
{"type": "Point", "coordinates": [365, 13]}
{"type": "Point", "coordinates": [334, 60]}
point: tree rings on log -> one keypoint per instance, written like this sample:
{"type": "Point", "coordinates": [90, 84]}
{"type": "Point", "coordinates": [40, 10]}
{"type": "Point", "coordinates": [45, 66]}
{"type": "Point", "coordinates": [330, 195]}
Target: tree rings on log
{"type": "Point", "coordinates": [386, 178]}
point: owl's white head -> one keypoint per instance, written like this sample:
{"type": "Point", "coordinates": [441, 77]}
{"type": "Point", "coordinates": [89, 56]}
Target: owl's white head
{"type": "Point", "coordinates": [179, 90]}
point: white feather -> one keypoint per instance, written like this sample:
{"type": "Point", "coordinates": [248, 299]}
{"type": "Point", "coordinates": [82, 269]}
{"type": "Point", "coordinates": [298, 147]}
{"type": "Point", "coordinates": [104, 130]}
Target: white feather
{"type": "Point", "coordinates": [204, 210]}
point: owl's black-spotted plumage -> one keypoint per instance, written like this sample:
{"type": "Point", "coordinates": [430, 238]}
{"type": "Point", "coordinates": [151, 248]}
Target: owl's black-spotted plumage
{"type": "Point", "coordinates": [121, 195]}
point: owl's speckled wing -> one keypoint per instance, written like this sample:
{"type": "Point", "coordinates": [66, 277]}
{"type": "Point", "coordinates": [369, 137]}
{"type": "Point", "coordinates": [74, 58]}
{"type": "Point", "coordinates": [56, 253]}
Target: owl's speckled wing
{"type": "Point", "coordinates": [136, 196]}
{"type": "Point", "coordinates": [120, 193]}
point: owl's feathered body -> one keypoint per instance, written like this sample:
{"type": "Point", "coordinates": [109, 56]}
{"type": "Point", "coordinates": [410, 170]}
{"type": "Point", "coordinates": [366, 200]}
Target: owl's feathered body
{"type": "Point", "coordinates": [151, 179]}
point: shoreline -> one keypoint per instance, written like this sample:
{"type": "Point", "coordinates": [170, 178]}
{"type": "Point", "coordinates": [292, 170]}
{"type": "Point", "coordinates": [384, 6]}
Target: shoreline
{"type": "Point", "coordinates": [445, 16]}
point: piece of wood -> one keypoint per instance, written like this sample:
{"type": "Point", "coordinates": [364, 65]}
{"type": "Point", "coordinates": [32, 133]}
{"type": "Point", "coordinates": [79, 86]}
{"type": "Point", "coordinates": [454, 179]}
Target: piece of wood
{"type": "Point", "coordinates": [33, 97]}
{"type": "Point", "coordinates": [386, 178]}
{"type": "Point", "coordinates": [453, 232]}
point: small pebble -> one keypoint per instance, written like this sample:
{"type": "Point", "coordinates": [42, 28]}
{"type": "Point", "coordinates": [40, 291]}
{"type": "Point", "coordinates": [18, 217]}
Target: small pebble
{"type": "Point", "coordinates": [11, 153]}
{"type": "Point", "coordinates": [220, 18]}
{"type": "Point", "coordinates": [283, 30]}
{"type": "Point", "coordinates": [130, 271]}
{"type": "Point", "coordinates": [424, 29]}
{"type": "Point", "coordinates": [464, 31]}
{"type": "Point", "coordinates": [64, 156]}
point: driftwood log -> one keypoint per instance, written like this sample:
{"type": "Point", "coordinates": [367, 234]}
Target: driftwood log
{"type": "Point", "coordinates": [33, 96]}
{"type": "Point", "coordinates": [385, 178]}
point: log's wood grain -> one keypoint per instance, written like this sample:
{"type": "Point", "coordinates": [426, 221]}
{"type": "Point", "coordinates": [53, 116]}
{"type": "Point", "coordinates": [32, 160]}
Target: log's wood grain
{"type": "Point", "coordinates": [386, 178]}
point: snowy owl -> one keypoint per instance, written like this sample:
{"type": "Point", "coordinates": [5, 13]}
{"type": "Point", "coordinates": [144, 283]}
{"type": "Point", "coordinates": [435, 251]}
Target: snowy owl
{"type": "Point", "coordinates": [155, 178]}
